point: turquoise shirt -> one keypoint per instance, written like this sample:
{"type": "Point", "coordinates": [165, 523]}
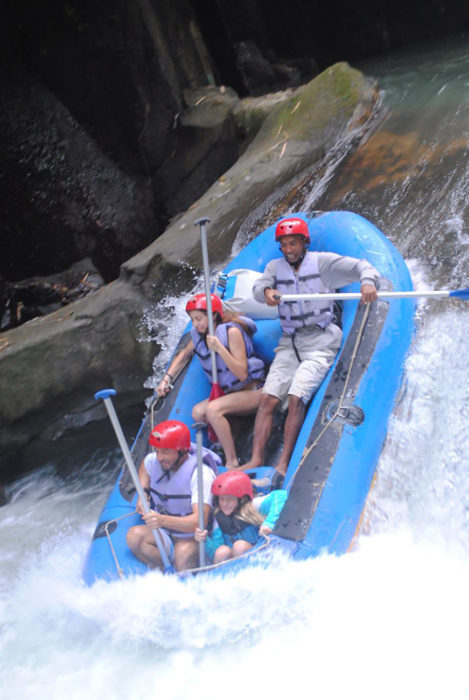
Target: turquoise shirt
{"type": "Point", "coordinates": [270, 506]}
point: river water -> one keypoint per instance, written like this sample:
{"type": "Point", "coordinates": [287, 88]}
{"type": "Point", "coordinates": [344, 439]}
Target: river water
{"type": "Point", "coordinates": [387, 620]}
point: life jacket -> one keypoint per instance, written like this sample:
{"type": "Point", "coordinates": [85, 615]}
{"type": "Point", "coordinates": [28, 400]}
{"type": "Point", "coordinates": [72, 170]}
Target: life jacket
{"type": "Point", "coordinates": [227, 380]}
{"type": "Point", "coordinates": [233, 528]}
{"type": "Point", "coordinates": [306, 280]}
{"type": "Point", "coordinates": [170, 491]}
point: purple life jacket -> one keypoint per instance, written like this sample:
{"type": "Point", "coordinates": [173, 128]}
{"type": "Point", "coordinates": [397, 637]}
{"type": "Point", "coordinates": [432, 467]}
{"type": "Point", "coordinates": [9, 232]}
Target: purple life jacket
{"type": "Point", "coordinates": [226, 379]}
{"type": "Point", "coordinates": [171, 490]}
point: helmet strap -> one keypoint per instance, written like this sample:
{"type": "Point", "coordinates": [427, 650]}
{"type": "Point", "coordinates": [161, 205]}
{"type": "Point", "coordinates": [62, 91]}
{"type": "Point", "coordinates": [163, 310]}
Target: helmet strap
{"type": "Point", "coordinates": [297, 264]}
{"type": "Point", "coordinates": [181, 458]}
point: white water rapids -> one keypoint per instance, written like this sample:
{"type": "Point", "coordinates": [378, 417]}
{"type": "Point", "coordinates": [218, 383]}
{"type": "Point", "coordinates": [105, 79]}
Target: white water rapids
{"type": "Point", "coordinates": [388, 620]}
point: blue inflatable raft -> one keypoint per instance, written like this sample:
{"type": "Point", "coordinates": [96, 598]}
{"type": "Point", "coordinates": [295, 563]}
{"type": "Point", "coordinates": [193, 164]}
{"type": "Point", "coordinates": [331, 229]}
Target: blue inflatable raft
{"type": "Point", "coordinates": [332, 466]}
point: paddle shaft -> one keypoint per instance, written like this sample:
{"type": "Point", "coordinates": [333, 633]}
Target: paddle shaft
{"type": "Point", "coordinates": [203, 242]}
{"type": "Point", "coordinates": [200, 488]}
{"type": "Point", "coordinates": [133, 473]}
{"type": "Point", "coordinates": [357, 295]}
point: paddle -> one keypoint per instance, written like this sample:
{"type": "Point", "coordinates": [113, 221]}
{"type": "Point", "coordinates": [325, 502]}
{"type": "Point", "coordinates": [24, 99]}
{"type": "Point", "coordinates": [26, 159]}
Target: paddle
{"type": "Point", "coordinates": [457, 293]}
{"type": "Point", "coordinates": [216, 391]}
{"type": "Point", "coordinates": [105, 395]}
{"type": "Point", "coordinates": [199, 428]}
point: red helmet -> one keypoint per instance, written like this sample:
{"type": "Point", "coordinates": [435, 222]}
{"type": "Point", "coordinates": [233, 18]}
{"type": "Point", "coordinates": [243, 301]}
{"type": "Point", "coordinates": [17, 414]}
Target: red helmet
{"type": "Point", "coordinates": [292, 227]}
{"type": "Point", "coordinates": [199, 303]}
{"type": "Point", "coordinates": [232, 483]}
{"type": "Point", "coordinates": [170, 435]}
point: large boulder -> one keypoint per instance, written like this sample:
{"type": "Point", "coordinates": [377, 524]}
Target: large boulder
{"type": "Point", "coordinates": [205, 146]}
{"type": "Point", "coordinates": [50, 367]}
{"type": "Point", "coordinates": [64, 199]}
{"type": "Point", "coordinates": [38, 296]}
{"type": "Point", "coordinates": [294, 136]}
{"type": "Point", "coordinates": [92, 127]}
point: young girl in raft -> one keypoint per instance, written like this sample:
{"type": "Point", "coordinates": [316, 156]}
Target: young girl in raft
{"type": "Point", "coordinates": [238, 522]}
{"type": "Point", "coordinates": [240, 373]}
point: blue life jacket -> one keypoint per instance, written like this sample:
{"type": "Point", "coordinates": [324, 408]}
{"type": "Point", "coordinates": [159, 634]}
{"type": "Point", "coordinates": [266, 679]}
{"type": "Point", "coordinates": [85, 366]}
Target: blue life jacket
{"type": "Point", "coordinates": [233, 528]}
{"type": "Point", "coordinates": [227, 380]}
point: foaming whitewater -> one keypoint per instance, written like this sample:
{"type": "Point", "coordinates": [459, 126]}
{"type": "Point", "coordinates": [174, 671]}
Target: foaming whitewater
{"type": "Point", "coordinates": [387, 620]}
{"type": "Point", "coordinates": [164, 323]}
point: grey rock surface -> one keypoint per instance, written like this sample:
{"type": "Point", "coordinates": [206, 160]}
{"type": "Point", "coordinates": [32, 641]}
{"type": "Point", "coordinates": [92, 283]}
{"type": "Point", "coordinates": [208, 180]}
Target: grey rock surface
{"type": "Point", "coordinates": [51, 366]}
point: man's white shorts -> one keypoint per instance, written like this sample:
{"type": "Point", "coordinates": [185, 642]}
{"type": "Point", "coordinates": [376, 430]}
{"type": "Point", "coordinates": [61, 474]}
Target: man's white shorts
{"type": "Point", "coordinates": [300, 372]}
{"type": "Point", "coordinates": [167, 543]}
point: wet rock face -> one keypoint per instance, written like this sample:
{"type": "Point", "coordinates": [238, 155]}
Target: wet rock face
{"type": "Point", "coordinates": [101, 146]}
{"type": "Point", "coordinates": [22, 301]}
{"type": "Point", "coordinates": [92, 107]}
{"type": "Point", "coordinates": [63, 198]}
{"type": "Point", "coordinates": [206, 143]}
{"type": "Point", "coordinates": [263, 73]}
{"type": "Point", "coordinates": [51, 366]}
{"type": "Point", "coordinates": [105, 138]}
{"type": "Point", "coordinates": [74, 173]}
{"type": "Point", "coordinates": [296, 31]}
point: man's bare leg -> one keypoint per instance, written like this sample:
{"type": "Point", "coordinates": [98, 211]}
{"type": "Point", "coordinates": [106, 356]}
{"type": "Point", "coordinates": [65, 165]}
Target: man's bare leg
{"type": "Point", "coordinates": [293, 423]}
{"type": "Point", "coordinates": [262, 430]}
{"type": "Point", "coordinates": [141, 541]}
{"type": "Point", "coordinates": [186, 554]}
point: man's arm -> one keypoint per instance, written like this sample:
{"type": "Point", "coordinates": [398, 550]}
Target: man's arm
{"type": "Point", "coordinates": [144, 477]}
{"type": "Point", "coordinates": [183, 523]}
{"type": "Point", "coordinates": [187, 523]}
{"type": "Point", "coordinates": [267, 281]}
{"type": "Point", "coordinates": [338, 270]}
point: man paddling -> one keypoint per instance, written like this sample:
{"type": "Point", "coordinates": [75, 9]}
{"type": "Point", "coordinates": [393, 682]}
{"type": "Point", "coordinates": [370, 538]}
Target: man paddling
{"type": "Point", "coordinates": [311, 336]}
{"type": "Point", "coordinates": [169, 477]}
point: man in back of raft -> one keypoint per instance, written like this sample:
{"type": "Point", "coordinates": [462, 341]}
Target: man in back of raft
{"type": "Point", "coordinates": [311, 337]}
{"type": "Point", "coordinates": [169, 477]}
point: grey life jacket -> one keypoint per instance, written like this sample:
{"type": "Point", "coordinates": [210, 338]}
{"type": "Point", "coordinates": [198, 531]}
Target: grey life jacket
{"type": "Point", "coordinates": [305, 280]}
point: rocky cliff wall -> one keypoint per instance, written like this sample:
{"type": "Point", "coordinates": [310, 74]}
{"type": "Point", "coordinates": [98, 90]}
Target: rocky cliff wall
{"type": "Point", "coordinates": [116, 117]}
{"type": "Point", "coordinates": [50, 367]}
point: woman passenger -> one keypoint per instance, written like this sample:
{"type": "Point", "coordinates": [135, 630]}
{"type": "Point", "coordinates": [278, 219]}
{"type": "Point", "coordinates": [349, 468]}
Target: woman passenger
{"type": "Point", "coordinates": [240, 373]}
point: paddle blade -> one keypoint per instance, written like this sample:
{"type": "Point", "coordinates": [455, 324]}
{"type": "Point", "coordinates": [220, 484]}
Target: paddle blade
{"type": "Point", "coordinates": [216, 392]}
{"type": "Point", "coordinates": [212, 436]}
{"type": "Point", "coordinates": [460, 293]}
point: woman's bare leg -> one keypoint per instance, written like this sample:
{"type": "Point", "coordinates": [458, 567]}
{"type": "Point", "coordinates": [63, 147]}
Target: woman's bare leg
{"type": "Point", "coordinates": [222, 554]}
{"type": "Point", "coordinates": [199, 411]}
{"type": "Point", "coordinates": [240, 547]}
{"type": "Point", "coordinates": [238, 403]}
